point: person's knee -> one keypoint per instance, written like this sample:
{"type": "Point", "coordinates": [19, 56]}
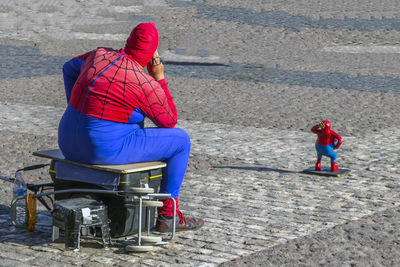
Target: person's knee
{"type": "Point", "coordinates": [183, 137]}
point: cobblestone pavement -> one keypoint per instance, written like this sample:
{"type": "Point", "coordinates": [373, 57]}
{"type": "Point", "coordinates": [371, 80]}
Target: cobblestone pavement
{"type": "Point", "coordinates": [249, 78]}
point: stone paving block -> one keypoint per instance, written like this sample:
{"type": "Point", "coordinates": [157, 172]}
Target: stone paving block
{"type": "Point", "coordinates": [211, 259]}
{"type": "Point", "coordinates": [244, 172]}
{"type": "Point", "coordinates": [10, 262]}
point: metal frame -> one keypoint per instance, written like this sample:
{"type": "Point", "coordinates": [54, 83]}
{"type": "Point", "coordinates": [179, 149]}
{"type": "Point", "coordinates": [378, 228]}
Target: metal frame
{"type": "Point", "coordinates": [38, 190]}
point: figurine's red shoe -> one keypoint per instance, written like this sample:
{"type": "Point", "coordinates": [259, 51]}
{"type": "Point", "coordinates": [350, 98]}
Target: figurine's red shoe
{"type": "Point", "coordinates": [318, 166]}
{"type": "Point", "coordinates": [334, 167]}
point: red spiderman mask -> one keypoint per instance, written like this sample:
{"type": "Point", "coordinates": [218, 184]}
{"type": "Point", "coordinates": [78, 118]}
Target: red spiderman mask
{"type": "Point", "coordinates": [325, 126]}
{"type": "Point", "coordinates": [142, 43]}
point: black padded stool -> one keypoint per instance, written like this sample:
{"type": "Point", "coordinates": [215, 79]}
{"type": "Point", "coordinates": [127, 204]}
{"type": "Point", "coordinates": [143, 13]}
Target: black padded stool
{"type": "Point", "coordinates": [78, 215]}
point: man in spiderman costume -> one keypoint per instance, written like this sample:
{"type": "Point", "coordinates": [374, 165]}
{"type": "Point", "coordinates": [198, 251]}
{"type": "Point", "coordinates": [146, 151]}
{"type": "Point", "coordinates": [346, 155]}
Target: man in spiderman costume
{"type": "Point", "coordinates": [327, 143]}
{"type": "Point", "coordinates": [109, 94]}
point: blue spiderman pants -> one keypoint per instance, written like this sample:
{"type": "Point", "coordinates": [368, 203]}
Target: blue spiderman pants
{"type": "Point", "coordinates": [326, 150]}
{"type": "Point", "coordinates": [83, 138]}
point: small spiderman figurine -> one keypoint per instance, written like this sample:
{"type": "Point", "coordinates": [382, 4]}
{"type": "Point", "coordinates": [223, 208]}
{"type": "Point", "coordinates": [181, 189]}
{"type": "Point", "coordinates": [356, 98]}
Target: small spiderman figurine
{"type": "Point", "coordinates": [327, 143]}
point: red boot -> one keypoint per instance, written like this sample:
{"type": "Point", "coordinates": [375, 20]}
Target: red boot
{"type": "Point", "coordinates": [334, 167]}
{"type": "Point", "coordinates": [318, 165]}
{"type": "Point", "coordinates": [165, 218]}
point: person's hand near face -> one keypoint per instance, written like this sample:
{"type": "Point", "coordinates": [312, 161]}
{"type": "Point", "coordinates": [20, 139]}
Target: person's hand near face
{"type": "Point", "coordinates": [156, 67]}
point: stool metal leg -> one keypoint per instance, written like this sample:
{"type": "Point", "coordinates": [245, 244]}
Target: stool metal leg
{"type": "Point", "coordinates": [148, 209]}
{"type": "Point", "coordinates": [138, 247]}
{"type": "Point", "coordinates": [140, 221]}
{"type": "Point", "coordinates": [174, 218]}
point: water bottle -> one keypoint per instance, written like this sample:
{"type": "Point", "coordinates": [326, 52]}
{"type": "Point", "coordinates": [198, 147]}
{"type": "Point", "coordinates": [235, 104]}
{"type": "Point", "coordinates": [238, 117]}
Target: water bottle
{"type": "Point", "coordinates": [19, 189]}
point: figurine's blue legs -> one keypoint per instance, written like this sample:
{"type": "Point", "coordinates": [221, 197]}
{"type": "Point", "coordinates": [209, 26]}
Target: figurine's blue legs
{"type": "Point", "coordinates": [326, 150]}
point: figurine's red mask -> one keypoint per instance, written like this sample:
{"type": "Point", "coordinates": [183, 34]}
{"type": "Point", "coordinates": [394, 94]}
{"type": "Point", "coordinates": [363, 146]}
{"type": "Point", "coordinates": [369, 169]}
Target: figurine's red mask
{"type": "Point", "coordinates": [326, 126]}
{"type": "Point", "coordinates": [142, 43]}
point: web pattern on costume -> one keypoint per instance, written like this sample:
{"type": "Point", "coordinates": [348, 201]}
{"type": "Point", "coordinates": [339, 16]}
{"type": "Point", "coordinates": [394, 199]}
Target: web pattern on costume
{"type": "Point", "coordinates": [113, 86]}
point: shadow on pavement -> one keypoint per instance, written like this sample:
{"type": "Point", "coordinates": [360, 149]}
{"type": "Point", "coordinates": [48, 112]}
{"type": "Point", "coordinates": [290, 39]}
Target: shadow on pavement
{"type": "Point", "coordinates": [12, 234]}
{"type": "Point", "coordinates": [282, 19]}
{"type": "Point", "coordinates": [258, 168]}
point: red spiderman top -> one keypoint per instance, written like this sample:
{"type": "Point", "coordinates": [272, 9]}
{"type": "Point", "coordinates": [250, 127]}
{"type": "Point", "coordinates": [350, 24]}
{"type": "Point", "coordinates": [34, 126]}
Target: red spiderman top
{"type": "Point", "coordinates": [112, 83]}
{"type": "Point", "coordinates": [326, 136]}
